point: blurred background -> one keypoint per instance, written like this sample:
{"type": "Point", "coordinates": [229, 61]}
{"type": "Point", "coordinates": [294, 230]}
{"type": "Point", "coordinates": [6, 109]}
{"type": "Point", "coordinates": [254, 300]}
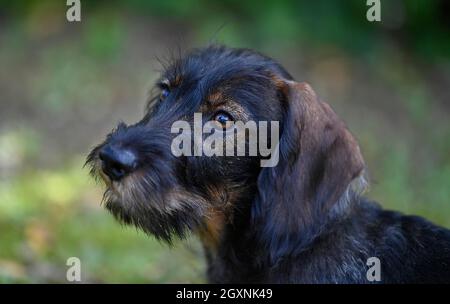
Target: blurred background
{"type": "Point", "coordinates": [64, 85]}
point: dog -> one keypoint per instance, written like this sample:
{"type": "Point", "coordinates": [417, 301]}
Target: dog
{"type": "Point", "coordinates": [303, 220]}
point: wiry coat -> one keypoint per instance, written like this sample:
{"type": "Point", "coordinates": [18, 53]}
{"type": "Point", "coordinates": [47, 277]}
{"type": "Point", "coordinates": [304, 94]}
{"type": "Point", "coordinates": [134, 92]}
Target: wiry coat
{"type": "Point", "coordinates": [302, 221]}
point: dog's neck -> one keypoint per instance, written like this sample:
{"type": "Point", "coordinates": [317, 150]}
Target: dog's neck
{"type": "Point", "coordinates": [210, 234]}
{"type": "Point", "coordinates": [233, 244]}
{"type": "Point", "coordinates": [232, 247]}
{"type": "Point", "coordinates": [223, 216]}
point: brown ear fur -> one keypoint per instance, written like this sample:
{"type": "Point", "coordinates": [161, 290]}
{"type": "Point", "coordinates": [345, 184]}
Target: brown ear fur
{"type": "Point", "coordinates": [319, 158]}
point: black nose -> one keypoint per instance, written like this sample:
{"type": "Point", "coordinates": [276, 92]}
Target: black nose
{"type": "Point", "coordinates": [117, 162]}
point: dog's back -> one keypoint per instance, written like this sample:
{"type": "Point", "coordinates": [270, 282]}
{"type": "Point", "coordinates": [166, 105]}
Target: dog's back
{"type": "Point", "coordinates": [409, 249]}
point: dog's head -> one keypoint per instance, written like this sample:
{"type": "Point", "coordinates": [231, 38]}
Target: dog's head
{"type": "Point", "coordinates": [164, 192]}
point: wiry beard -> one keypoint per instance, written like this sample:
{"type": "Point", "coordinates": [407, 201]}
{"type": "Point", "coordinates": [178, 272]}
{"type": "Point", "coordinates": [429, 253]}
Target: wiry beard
{"type": "Point", "coordinates": [152, 201]}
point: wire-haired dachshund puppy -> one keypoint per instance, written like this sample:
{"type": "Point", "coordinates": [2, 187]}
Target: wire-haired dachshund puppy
{"type": "Point", "coordinates": [302, 220]}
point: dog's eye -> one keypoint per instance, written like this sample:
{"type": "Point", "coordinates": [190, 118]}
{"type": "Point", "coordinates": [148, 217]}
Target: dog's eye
{"type": "Point", "coordinates": [164, 87]}
{"type": "Point", "coordinates": [164, 93]}
{"type": "Point", "coordinates": [223, 118]}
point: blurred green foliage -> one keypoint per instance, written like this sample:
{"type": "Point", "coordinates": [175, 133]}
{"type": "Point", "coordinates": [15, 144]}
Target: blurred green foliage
{"type": "Point", "coordinates": [421, 25]}
{"type": "Point", "coordinates": [63, 86]}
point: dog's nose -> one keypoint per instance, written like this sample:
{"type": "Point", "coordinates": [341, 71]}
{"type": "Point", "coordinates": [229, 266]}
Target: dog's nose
{"type": "Point", "coordinates": [117, 162]}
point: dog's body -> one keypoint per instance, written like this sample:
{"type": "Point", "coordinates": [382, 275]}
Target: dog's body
{"type": "Point", "coordinates": [409, 248]}
{"type": "Point", "coordinates": [301, 221]}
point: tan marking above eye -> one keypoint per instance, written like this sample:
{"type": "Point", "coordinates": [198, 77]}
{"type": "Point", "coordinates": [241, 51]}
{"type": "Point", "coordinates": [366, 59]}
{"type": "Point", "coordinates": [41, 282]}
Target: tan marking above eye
{"type": "Point", "coordinates": [216, 97]}
{"type": "Point", "coordinates": [237, 111]}
{"type": "Point", "coordinates": [220, 101]}
{"type": "Point", "coordinates": [177, 81]}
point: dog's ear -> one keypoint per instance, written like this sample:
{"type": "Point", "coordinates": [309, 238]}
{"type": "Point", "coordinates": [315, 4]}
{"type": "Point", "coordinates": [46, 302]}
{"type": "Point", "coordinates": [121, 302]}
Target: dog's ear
{"type": "Point", "coordinates": [318, 160]}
